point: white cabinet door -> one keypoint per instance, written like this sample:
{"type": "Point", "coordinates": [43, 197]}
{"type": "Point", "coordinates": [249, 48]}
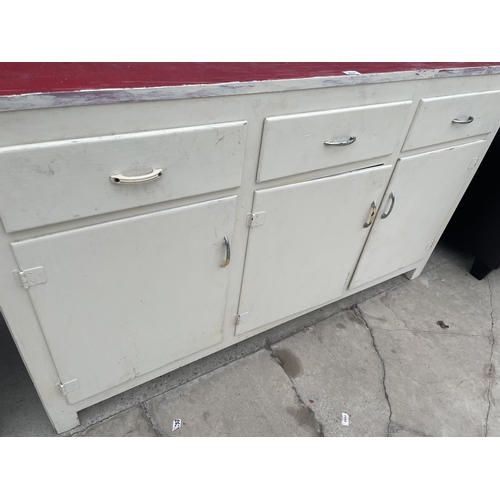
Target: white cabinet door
{"type": "Point", "coordinates": [425, 188]}
{"type": "Point", "coordinates": [127, 297]}
{"type": "Point", "coordinates": [311, 237]}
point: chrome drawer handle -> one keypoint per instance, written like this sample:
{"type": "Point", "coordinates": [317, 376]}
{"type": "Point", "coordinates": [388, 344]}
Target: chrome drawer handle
{"type": "Point", "coordinates": [123, 179]}
{"type": "Point", "coordinates": [462, 122]}
{"type": "Point", "coordinates": [392, 197]}
{"type": "Point", "coordinates": [373, 213]}
{"type": "Point", "coordinates": [342, 143]}
{"type": "Point", "coordinates": [225, 263]}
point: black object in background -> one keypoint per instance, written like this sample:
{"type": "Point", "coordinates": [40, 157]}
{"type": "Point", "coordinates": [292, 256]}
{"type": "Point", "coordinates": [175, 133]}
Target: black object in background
{"type": "Point", "coordinates": [475, 225]}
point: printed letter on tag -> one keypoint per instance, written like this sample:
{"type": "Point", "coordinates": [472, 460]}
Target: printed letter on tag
{"type": "Point", "coordinates": [345, 419]}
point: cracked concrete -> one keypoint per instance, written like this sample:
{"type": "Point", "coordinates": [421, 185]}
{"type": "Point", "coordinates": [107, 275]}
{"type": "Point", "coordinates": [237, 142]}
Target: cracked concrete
{"type": "Point", "coordinates": [403, 359]}
{"type": "Point", "coordinates": [493, 414]}
{"type": "Point", "coordinates": [292, 367]}
{"type": "Point", "coordinates": [437, 380]}
{"type": "Point", "coordinates": [130, 423]}
{"type": "Point", "coordinates": [335, 370]}
{"type": "Point", "coordinates": [360, 315]}
{"type": "Point", "coordinates": [491, 372]}
{"type": "Point", "coordinates": [250, 397]}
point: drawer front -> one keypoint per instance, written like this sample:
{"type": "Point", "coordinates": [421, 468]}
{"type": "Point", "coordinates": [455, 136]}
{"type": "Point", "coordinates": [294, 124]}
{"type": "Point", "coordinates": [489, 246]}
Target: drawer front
{"type": "Point", "coordinates": [474, 114]}
{"type": "Point", "coordinates": [60, 181]}
{"type": "Point", "coordinates": [296, 143]}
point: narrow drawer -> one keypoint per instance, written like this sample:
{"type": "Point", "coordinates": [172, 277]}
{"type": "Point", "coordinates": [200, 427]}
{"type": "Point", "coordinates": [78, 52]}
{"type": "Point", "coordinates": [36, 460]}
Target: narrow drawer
{"type": "Point", "coordinates": [443, 119]}
{"type": "Point", "coordinates": [59, 181]}
{"type": "Point", "coordinates": [295, 144]}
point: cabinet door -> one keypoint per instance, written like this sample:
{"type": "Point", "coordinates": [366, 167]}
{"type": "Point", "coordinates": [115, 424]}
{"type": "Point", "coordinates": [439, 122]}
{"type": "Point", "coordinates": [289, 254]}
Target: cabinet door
{"type": "Point", "coordinates": [309, 242]}
{"type": "Point", "coordinates": [425, 189]}
{"type": "Point", "coordinates": [127, 297]}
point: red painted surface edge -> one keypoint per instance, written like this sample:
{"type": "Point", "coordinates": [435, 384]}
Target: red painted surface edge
{"type": "Point", "coordinates": [25, 78]}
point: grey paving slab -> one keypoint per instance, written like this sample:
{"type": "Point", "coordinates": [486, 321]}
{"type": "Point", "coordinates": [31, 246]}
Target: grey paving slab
{"type": "Point", "coordinates": [447, 293]}
{"type": "Point", "coordinates": [397, 430]}
{"type": "Point", "coordinates": [436, 377]}
{"type": "Point", "coordinates": [335, 369]}
{"type": "Point", "coordinates": [249, 397]}
{"type": "Point", "coordinates": [130, 423]}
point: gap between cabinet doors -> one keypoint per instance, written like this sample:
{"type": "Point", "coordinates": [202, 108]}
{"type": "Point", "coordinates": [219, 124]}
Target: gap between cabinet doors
{"type": "Point", "coordinates": [304, 242]}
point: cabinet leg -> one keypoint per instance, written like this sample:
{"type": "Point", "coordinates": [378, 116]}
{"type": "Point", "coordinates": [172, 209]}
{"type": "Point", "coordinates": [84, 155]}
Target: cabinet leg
{"type": "Point", "coordinates": [411, 275]}
{"type": "Point", "coordinates": [63, 420]}
{"type": "Point", "coordinates": [479, 270]}
{"type": "Point", "coordinates": [62, 416]}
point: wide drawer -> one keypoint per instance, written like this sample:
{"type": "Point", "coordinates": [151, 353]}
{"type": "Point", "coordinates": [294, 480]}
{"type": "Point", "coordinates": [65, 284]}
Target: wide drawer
{"type": "Point", "coordinates": [294, 144]}
{"type": "Point", "coordinates": [59, 181]}
{"type": "Point", "coordinates": [449, 118]}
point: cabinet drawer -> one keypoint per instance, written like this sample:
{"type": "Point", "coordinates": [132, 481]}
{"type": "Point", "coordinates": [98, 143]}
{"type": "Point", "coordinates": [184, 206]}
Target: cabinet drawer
{"type": "Point", "coordinates": [476, 114]}
{"type": "Point", "coordinates": [296, 143]}
{"type": "Point", "coordinates": [60, 181]}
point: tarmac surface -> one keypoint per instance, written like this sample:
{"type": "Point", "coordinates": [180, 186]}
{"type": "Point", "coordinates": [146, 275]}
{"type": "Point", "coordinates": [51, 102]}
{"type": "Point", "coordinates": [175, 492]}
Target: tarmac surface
{"type": "Point", "coordinates": [404, 358]}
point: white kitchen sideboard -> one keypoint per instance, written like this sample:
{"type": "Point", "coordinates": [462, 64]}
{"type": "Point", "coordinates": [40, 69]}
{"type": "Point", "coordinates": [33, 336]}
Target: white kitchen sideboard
{"type": "Point", "coordinates": [140, 235]}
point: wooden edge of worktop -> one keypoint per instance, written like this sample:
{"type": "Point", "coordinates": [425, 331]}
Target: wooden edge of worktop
{"type": "Point", "coordinates": [44, 85]}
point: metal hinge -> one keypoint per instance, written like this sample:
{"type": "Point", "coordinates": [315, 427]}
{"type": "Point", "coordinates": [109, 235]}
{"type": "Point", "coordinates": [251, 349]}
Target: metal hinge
{"type": "Point", "coordinates": [256, 219]}
{"type": "Point", "coordinates": [241, 318]}
{"type": "Point", "coordinates": [72, 385]}
{"type": "Point", "coordinates": [29, 277]}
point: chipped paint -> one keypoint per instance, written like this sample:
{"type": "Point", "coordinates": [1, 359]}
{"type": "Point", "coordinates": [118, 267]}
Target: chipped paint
{"type": "Point", "coordinates": [141, 94]}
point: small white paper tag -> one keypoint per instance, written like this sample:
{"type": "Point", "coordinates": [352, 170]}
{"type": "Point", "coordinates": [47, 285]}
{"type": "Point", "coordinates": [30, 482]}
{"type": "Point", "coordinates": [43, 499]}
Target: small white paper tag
{"type": "Point", "coordinates": [351, 72]}
{"type": "Point", "coordinates": [176, 424]}
{"type": "Point", "coordinates": [345, 419]}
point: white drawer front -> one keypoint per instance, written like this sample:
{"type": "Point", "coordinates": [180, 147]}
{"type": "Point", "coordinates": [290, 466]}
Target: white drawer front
{"type": "Point", "coordinates": [477, 113]}
{"type": "Point", "coordinates": [296, 143]}
{"type": "Point", "coordinates": [60, 181]}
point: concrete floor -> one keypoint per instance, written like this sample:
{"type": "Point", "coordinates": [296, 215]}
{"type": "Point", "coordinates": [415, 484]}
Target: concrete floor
{"type": "Point", "coordinates": [405, 358]}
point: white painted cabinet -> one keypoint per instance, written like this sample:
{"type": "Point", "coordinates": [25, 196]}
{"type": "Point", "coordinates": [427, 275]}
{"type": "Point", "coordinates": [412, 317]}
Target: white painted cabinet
{"type": "Point", "coordinates": [124, 298]}
{"type": "Point", "coordinates": [305, 242]}
{"type": "Point", "coordinates": [292, 184]}
{"type": "Point", "coordinates": [419, 200]}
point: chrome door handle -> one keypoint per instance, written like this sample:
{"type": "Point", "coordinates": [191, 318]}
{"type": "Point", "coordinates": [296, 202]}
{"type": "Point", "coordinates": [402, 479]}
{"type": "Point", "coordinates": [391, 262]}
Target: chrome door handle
{"type": "Point", "coordinates": [123, 179]}
{"type": "Point", "coordinates": [342, 143]}
{"type": "Point", "coordinates": [463, 122]}
{"type": "Point", "coordinates": [392, 197]}
{"type": "Point", "coordinates": [225, 263]}
{"type": "Point", "coordinates": [373, 213]}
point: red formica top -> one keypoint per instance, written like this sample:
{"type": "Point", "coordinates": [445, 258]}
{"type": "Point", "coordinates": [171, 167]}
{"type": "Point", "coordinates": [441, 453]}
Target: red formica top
{"type": "Point", "coordinates": [49, 77]}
